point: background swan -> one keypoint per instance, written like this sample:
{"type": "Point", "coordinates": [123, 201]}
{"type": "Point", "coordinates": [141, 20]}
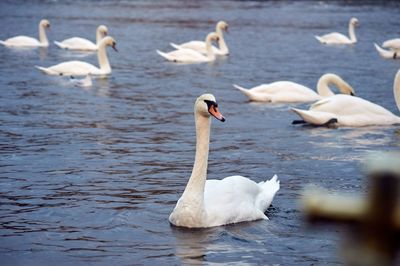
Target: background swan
{"type": "Point", "coordinates": [344, 110]}
{"type": "Point", "coordinates": [82, 68]}
{"type": "Point", "coordinates": [291, 92]}
{"type": "Point", "coordinates": [387, 54]}
{"type": "Point", "coordinates": [29, 42]}
{"type": "Point", "coordinates": [77, 43]}
{"type": "Point", "coordinates": [200, 46]}
{"type": "Point", "coordinates": [338, 38]}
{"type": "Point", "coordinates": [191, 56]}
{"type": "Point", "coordinates": [217, 202]}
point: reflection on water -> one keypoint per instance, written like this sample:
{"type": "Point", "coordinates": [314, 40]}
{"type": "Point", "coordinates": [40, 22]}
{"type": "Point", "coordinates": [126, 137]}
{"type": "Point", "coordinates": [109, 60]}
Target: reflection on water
{"type": "Point", "coordinates": [90, 175]}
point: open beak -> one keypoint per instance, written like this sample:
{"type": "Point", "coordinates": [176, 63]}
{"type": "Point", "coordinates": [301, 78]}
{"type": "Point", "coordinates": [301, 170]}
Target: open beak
{"type": "Point", "coordinates": [213, 110]}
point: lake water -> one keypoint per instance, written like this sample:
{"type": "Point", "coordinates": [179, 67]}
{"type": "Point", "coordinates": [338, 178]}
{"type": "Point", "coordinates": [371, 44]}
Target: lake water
{"type": "Point", "coordinates": [89, 176]}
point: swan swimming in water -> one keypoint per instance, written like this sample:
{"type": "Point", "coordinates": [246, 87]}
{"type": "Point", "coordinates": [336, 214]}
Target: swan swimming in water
{"type": "Point", "coordinates": [79, 68]}
{"type": "Point", "coordinates": [200, 46]}
{"type": "Point", "coordinates": [77, 43]}
{"type": "Point", "coordinates": [394, 49]}
{"type": "Point", "coordinates": [338, 38]}
{"type": "Point", "coordinates": [351, 111]}
{"type": "Point", "coordinates": [291, 92]}
{"type": "Point", "coordinates": [207, 203]}
{"type": "Point", "coordinates": [29, 42]}
{"type": "Point", "coordinates": [185, 55]}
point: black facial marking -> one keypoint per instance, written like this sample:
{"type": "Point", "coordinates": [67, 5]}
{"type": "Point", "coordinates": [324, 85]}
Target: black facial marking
{"type": "Point", "coordinates": [210, 103]}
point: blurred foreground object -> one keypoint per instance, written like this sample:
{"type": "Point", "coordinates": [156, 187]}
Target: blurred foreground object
{"type": "Point", "coordinates": [375, 219]}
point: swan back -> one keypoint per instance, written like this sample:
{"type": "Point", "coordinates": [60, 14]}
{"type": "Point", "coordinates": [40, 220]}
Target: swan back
{"type": "Point", "coordinates": [396, 89]}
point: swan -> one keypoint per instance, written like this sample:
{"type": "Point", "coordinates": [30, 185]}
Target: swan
{"type": "Point", "coordinates": [200, 46]}
{"type": "Point", "coordinates": [338, 38]}
{"type": "Point", "coordinates": [82, 68]}
{"type": "Point", "coordinates": [291, 92]}
{"type": "Point", "coordinates": [29, 42]}
{"type": "Point", "coordinates": [344, 110]}
{"type": "Point", "coordinates": [208, 203]}
{"type": "Point", "coordinates": [387, 54]}
{"type": "Point", "coordinates": [77, 43]}
{"type": "Point", "coordinates": [185, 55]}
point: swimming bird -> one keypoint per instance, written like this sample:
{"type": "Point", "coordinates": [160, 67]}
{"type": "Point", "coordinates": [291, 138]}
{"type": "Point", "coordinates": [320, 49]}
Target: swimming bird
{"type": "Point", "coordinates": [185, 55]}
{"type": "Point", "coordinates": [29, 42]}
{"type": "Point", "coordinates": [387, 54]}
{"type": "Point", "coordinates": [77, 68]}
{"type": "Point", "coordinates": [207, 203]}
{"type": "Point", "coordinates": [200, 46]}
{"type": "Point", "coordinates": [351, 111]}
{"type": "Point", "coordinates": [77, 43]}
{"type": "Point", "coordinates": [291, 92]}
{"type": "Point", "coordinates": [338, 38]}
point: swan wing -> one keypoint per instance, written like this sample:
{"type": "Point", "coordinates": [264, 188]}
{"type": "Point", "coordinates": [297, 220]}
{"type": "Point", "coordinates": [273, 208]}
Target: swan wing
{"type": "Point", "coordinates": [393, 44]}
{"type": "Point", "coordinates": [22, 41]}
{"type": "Point", "coordinates": [184, 56]}
{"type": "Point", "coordinates": [334, 38]}
{"type": "Point", "coordinates": [236, 199]}
{"type": "Point", "coordinates": [72, 68]}
{"type": "Point", "coordinates": [198, 46]}
{"type": "Point", "coordinates": [77, 43]}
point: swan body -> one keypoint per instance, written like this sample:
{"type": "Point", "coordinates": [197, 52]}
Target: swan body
{"type": "Point", "coordinates": [185, 55]}
{"type": "Point", "coordinates": [207, 203]}
{"type": "Point", "coordinates": [79, 68]}
{"type": "Point", "coordinates": [338, 38]}
{"type": "Point", "coordinates": [77, 43]}
{"type": "Point", "coordinates": [291, 92]}
{"type": "Point", "coordinates": [29, 42]}
{"type": "Point", "coordinates": [200, 46]}
{"type": "Point", "coordinates": [387, 54]}
{"type": "Point", "coordinates": [345, 110]}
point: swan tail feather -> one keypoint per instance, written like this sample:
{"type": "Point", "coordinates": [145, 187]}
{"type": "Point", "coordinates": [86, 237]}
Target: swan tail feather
{"type": "Point", "coordinates": [319, 38]}
{"type": "Point", "coordinates": [47, 70]}
{"type": "Point", "coordinates": [164, 55]}
{"type": "Point", "coordinates": [243, 90]}
{"type": "Point", "coordinates": [316, 118]}
{"type": "Point", "coordinates": [268, 191]}
{"type": "Point", "coordinates": [3, 43]}
{"type": "Point", "coordinates": [384, 53]}
{"type": "Point", "coordinates": [176, 46]}
{"type": "Point", "coordinates": [62, 46]}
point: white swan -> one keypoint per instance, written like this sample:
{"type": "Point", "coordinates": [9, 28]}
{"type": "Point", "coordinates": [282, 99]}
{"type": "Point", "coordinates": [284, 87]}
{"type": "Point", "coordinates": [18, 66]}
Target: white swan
{"type": "Point", "coordinates": [393, 44]}
{"type": "Point", "coordinates": [338, 38]}
{"type": "Point", "coordinates": [387, 54]}
{"type": "Point", "coordinates": [191, 56]}
{"type": "Point", "coordinates": [207, 203]}
{"type": "Point", "coordinates": [77, 43]}
{"type": "Point", "coordinates": [29, 42]}
{"type": "Point", "coordinates": [344, 110]}
{"type": "Point", "coordinates": [200, 46]}
{"type": "Point", "coordinates": [78, 68]}
{"type": "Point", "coordinates": [291, 92]}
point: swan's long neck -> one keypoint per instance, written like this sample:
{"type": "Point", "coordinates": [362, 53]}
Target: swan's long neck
{"type": "Point", "coordinates": [210, 52]}
{"type": "Point", "coordinates": [195, 187]}
{"type": "Point", "coordinates": [327, 79]}
{"type": "Point", "coordinates": [98, 37]}
{"type": "Point", "coordinates": [396, 89]}
{"type": "Point", "coordinates": [42, 36]}
{"type": "Point", "coordinates": [352, 33]}
{"type": "Point", "coordinates": [103, 59]}
{"type": "Point", "coordinates": [222, 45]}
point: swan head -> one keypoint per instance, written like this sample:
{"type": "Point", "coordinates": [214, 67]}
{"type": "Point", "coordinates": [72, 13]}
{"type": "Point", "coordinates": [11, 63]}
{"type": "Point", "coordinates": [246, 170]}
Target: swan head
{"type": "Point", "coordinates": [44, 23]}
{"type": "Point", "coordinates": [222, 25]}
{"type": "Point", "coordinates": [103, 30]}
{"type": "Point", "coordinates": [109, 41]}
{"type": "Point", "coordinates": [207, 106]}
{"type": "Point", "coordinates": [354, 22]}
{"type": "Point", "coordinates": [212, 37]}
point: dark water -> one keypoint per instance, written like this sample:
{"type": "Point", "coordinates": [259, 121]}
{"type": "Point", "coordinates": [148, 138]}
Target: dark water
{"type": "Point", "coordinates": [89, 176]}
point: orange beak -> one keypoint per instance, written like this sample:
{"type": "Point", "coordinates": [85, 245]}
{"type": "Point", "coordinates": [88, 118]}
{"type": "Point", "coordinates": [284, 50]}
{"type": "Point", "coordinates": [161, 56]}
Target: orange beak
{"type": "Point", "coordinates": [213, 110]}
